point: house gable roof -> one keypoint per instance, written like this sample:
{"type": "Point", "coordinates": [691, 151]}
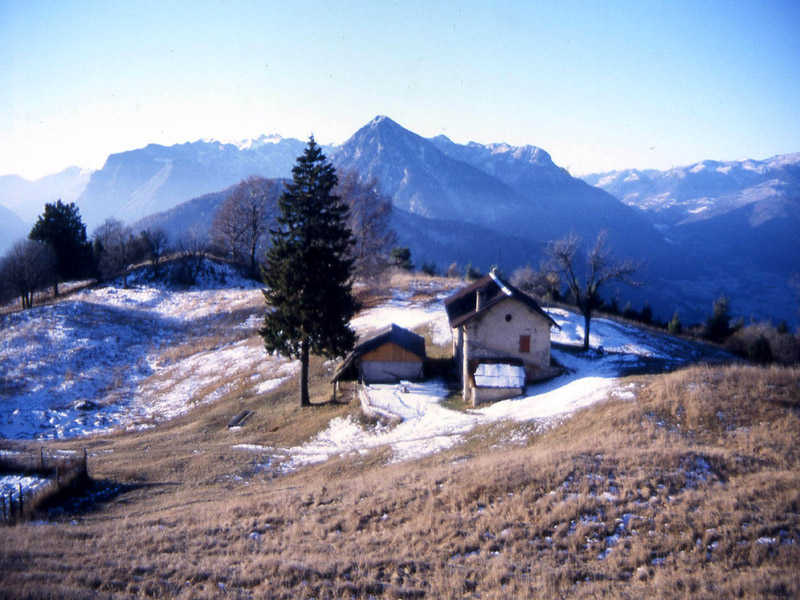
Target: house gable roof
{"type": "Point", "coordinates": [408, 340]}
{"type": "Point", "coordinates": [461, 306]}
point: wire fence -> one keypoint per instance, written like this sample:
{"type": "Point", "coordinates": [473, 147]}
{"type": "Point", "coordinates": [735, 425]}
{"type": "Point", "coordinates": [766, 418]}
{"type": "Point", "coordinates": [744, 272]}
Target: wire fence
{"type": "Point", "coordinates": [30, 477]}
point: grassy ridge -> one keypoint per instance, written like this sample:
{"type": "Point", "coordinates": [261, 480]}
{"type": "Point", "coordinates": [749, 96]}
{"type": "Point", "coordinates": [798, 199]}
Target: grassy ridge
{"type": "Point", "coordinates": [693, 489]}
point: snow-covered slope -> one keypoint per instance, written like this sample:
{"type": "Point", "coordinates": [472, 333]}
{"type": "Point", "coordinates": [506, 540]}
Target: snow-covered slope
{"type": "Point", "coordinates": [111, 358]}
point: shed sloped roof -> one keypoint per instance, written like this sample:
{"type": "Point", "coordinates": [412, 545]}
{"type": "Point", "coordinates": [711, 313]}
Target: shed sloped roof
{"type": "Point", "coordinates": [461, 306]}
{"type": "Point", "coordinates": [395, 334]}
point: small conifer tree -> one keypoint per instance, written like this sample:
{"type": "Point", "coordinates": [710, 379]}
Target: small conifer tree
{"type": "Point", "coordinates": [718, 324]}
{"type": "Point", "coordinates": [400, 257]}
{"type": "Point", "coordinates": [308, 274]}
{"type": "Point", "coordinates": [674, 326]}
{"type": "Point", "coordinates": [472, 273]}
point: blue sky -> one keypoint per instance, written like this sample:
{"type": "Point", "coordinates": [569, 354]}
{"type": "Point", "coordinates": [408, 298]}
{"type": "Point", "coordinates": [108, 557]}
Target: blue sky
{"type": "Point", "coordinates": [599, 85]}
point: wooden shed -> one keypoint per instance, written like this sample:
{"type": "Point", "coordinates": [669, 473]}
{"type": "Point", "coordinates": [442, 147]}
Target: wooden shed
{"type": "Point", "coordinates": [390, 355]}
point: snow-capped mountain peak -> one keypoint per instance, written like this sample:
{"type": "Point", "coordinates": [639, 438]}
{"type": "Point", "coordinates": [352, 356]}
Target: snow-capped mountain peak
{"type": "Point", "coordinates": [262, 140]}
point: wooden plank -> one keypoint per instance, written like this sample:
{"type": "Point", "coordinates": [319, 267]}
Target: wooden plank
{"type": "Point", "coordinates": [390, 352]}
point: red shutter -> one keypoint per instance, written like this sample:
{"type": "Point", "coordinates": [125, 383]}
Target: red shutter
{"type": "Point", "coordinates": [525, 344]}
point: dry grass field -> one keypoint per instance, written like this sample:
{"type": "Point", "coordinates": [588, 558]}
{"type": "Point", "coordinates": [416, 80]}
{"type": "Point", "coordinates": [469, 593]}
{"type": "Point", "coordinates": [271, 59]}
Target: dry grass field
{"type": "Point", "coordinates": [691, 490]}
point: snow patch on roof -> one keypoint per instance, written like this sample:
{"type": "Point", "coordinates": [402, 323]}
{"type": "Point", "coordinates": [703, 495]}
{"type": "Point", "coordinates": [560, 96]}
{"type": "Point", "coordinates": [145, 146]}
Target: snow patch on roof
{"type": "Point", "coordinates": [500, 284]}
{"type": "Point", "coordinates": [499, 376]}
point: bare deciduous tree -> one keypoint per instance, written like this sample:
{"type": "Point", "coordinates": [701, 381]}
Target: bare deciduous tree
{"type": "Point", "coordinates": [192, 249]}
{"type": "Point", "coordinates": [117, 248]}
{"type": "Point", "coordinates": [241, 225]}
{"type": "Point", "coordinates": [29, 266]}
{"type": "Point", "coordinates": [543, 283]}
{"type": "Point", "coordinates": [370, 213]}
{"type": "Point", "coordinates": [154, 240]}
{"type": "Point", "coordinates": [600, 268]}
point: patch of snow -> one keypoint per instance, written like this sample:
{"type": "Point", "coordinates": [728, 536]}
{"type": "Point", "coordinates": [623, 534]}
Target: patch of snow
{"type": "Point", "coordinates": [766, 540]}
{"type": "Point", "coordinates": [427, 427]}
{"type": "Point", "coordinates": [10, 484]}
{"type": "Point", "coordinates": [405, 313]}
{"type": "Point", "coordinates": [252, 448]}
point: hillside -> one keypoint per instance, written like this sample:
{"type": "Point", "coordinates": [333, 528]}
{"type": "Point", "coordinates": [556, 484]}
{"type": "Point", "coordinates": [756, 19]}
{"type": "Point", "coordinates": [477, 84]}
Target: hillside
{"type": "Point", "coordinates": [125, 353]}
{"type": "Point", "coordinates": [743, 215]}
{"type": "Point", "coordinates": [511, 192]}
{"type": "Point", "coordinates": [12, 228]}
{"type": "Point", "coordinates": [22, 201]}
{"type": "Point", "coordinates": [132, 185]}
{"type": "Point", "coordinates": [607, 481]}
{"type": "Point", "coordinates": [27, 198]}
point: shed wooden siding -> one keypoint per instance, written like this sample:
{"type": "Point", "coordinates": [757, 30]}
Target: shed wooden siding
{"type": "Point", "coordinates": [389, 372]}
{"type": "Point", "coordinates": [390, 352]}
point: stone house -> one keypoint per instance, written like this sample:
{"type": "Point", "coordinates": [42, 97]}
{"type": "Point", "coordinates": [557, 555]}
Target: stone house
{"type": "Point", "coordinates": [390, 355]}
{"type": "Point", "coordinates": [501, 339]}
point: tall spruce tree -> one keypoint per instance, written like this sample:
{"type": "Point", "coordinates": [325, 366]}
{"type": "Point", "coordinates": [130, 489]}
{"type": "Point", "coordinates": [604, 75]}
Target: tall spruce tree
{"type": "Point", "coordinates": [61, 227]}
{"type": "Point", "coordinates": [307, 271]}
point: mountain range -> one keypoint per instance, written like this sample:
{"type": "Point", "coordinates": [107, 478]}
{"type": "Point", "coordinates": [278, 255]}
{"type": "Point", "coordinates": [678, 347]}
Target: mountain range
{"type": "Point", "coordinates": [743, 214]}
{"type": "Point", "coordinates": [700, 231]}
{"type": "Point", "coordinates": [27, 198]}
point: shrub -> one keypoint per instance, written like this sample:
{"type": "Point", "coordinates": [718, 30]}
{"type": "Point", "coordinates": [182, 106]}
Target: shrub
{"type": "Point", "coordinates": [453, 271]}
{"type": "Point", "coordinates": [759, 351]}
{"type": "Point", "coordinates": [718, 324]}
{"type": "Point", "coordinates": [428, 268]}
{"type": "Point", "coordinates": [762, 342]}
{"type": "Point", "coordinates": [400, 257]}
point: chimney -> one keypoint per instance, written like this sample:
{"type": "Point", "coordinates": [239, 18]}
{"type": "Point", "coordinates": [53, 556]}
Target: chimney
{"type": "Point", "coordinates": [480, 299]}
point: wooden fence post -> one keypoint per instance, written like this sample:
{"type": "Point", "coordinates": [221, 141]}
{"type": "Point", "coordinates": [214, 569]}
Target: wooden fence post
{"type": "Point", "coordinates": [21, 506]}
{"type": "Point", "coordinates": [85, 463]}
{"type": "Point", "coordinates": [41, 455]}
{"type": "Point", "coordinates": [5, 517]}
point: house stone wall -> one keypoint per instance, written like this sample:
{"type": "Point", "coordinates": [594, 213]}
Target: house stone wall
{"type": "Point", "coordinates": [481, 395]}
{"type": "Point", "coordinates": [495, 333]}
{"type": "Point", "coordinates": [491, 335]}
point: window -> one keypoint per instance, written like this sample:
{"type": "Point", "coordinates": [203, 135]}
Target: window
{"type": "Point", "coordinates": [508, 317]}
{"type": "Point", "coordinates": [525, 344]}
